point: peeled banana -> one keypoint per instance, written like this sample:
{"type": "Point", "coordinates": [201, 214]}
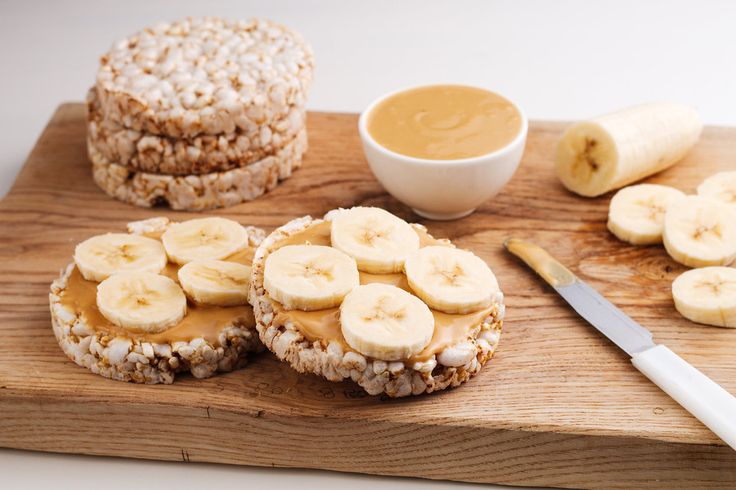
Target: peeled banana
{"type": "Point", "coordinates": [636, 213]}
{"type": "Point", "coordinates": [204, 238]}
{"type": "Point", "coordinates": [611, 151]}
{"type": "Point", "coordinates": [707, 295]}
{"type": "Point", "coordinates": [141, 301]}
{"type": "Point", "coordinates": [700, 232]}
{"type": "Point", "coordinates": [385, 322]}
{"type": "Point", "coordinates": [309, 277]}
{"type": "Point", "coordinates": [375, 238]}
{"type": "Point", "coordinates": [450, 280]}
{"type": "Point", "coordinates": [101, 256]}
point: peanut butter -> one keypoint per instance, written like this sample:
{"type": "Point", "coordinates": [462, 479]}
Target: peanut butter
{"type": "Point", "coordinates": [541, 262]}
{"type": "Point", "coordinates": [444, 122]}
{"type": "Point", "coordinates": [324, 325]}
{"type": "Point", "coordinates": [200, 321]}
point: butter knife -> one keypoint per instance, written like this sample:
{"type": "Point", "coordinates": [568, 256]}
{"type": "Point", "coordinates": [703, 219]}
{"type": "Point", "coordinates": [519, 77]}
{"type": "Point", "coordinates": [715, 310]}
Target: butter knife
{"type": "Point", "coordinates": [697, 393]}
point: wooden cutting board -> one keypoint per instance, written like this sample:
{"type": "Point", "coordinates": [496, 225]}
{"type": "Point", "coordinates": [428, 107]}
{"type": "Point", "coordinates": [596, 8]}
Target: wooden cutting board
{"type": "Point", "coordinates": [559, 405]}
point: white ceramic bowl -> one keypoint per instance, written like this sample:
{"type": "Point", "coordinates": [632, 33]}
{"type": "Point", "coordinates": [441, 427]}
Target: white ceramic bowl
{"type": "Point", "coordinates": [441, 189]}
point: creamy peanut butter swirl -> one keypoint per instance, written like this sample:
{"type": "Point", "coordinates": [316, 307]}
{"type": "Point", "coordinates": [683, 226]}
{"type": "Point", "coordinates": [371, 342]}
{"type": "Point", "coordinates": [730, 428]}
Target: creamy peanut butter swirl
{"type": "Point", "coordinates": [444, 122]}
{"type": "Point", "coordinates": [324, 325]}
{"type": "Point", "coordinates": [202, 321]}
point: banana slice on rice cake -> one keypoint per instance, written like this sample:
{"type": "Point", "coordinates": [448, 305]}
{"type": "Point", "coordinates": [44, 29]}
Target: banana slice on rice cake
{"type": "Point", "coordinates": [161, 299]}
{"type": "Point", "coordinates": [364, 295]}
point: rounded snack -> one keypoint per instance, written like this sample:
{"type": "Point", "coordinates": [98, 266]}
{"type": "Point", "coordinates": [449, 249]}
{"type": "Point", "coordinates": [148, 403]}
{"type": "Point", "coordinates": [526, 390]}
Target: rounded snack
{"type": "Point", "coordinates": [141, 301]}
{"type": "Point", "coordinates": [313, 341]}
{"type": "Point", "coordinates": [707, 295]}
{"type": "Point", "coordinates": [700, 232]}
{"type": "Point", "coordinates": [636, 213]}
{"type": "Point", "coordinates": [375, 238]}
{"type": "Point", "coordinates": [197, 192]}
{"type": "Point", "coordinates": [208, 339]}
{"type": "Point", "coordinates": [450, 280]}
{"type": "Point", "coordinates": [100, 256]}
{"type": "Point", "coordinates": [720, 186]}
{"type": "Point", "coordinates": [203, 239]}
{"type": "Point", "coordinates": [204, 76]}
{"type": "Point", "coordinates": [201, 154]}
{"type": "Point", "coordinates": [215, 282]}
{"type": "Point", "coordinates": [385, 322]}
{"type": "Point", "coordinates": [309, 277]}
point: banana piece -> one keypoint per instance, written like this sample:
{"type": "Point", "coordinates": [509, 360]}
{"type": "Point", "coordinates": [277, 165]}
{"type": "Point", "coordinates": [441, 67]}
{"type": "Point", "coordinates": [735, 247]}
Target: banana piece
{"type": "Point", "coordinates": [700, 232]}
{"type": "Point", "coordinates": [611, 151]}
{"type": "Point", "coordinates": [721, 186]}
{"type": "Point", "coordinates": [141, 301]}
{"type": "Point", "coordinates": [385, 322]}
{"type": "Point", "coordinates": [636, 213]}
{"type": "Point", "coordinates": [101, 256]}
{"type": "Point", "coordinates": [375, 238]}
{"type": "Point", "coordinates": [707, 295]}
{"type": "Point", "coordinates": [203, 238]}
{"type": "Point", "coordinates": [450, 280]}
{"type": "Point", "coordinates": [309, 277]}
{"type": "Point", "coordinates": [215, 282]}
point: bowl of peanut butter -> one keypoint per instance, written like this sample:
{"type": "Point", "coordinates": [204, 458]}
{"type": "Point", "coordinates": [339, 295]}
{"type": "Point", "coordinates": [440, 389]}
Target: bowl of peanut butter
{"type": "Point", "coordinates": [443, 149]}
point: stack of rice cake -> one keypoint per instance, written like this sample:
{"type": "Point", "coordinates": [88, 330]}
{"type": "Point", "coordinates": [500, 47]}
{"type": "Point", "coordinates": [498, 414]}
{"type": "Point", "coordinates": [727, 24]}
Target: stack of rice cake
{"type": "Point", "coordinates": [200, 113]}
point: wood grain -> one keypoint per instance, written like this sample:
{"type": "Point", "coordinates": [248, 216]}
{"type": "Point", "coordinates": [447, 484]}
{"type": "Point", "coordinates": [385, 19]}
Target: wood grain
{"type": "Point", "coordinates": [558, 406]}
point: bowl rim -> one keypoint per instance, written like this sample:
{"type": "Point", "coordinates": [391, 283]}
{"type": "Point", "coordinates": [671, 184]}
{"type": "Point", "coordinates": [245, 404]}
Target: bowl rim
{"type": "Point", "coordinates": [508, 148]}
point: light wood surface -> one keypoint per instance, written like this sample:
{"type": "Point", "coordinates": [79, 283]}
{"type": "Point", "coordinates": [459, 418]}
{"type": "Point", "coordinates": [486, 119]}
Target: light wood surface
{"type": "Point", "coordinates": [558, 406]}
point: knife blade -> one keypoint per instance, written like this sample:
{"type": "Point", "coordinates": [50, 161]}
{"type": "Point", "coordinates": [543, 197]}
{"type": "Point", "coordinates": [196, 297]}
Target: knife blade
{"type": "Point", "coordinates": [586, 301]}
{"type": "Point", "coordinates": [698, 394]}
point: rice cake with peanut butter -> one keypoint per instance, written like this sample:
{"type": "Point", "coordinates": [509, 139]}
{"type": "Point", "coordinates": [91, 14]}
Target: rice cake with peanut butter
{"type": "Point", "coordinates": [162, 299]}
{"type": "Point", "coordinates": [363, 295]}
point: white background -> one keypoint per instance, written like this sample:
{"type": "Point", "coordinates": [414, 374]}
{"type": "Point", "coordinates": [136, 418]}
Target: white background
{"type": "Point", "coordinates": [558, 60]}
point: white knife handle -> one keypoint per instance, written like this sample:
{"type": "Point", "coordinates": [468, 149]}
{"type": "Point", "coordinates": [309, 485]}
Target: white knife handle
{"type": "Point", "coordinates": [696, 392]}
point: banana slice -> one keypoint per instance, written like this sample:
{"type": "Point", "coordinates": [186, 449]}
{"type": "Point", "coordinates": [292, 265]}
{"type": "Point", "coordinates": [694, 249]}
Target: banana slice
{"type": "Point", "coordinates": [699, 232]}
{"type": "Point", "coordinates": [636, 214]}
{"type": "Point", "coordinates": [309, 277]}
{"type": "Point", "coordinates": [707, 295]}
{"type": "Point", "coordinates": [101, 256]}
{"type": "Point", "coordinates": [385, 322]}
{"type": "Point", "coordinates": [215, 282]}
{"type": "Point", "coordinates": [203, 238]}
{"type": "Point", "coordinates": [141, 301]}
{"type": "Point", "coordinates": [721, 186]}
{"type": "Point", "coordinates": [377, 240]}
{"type": "Point", "coordinates": [611, 151]}
{"type": "Point", "coordinates": [450, 280]}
